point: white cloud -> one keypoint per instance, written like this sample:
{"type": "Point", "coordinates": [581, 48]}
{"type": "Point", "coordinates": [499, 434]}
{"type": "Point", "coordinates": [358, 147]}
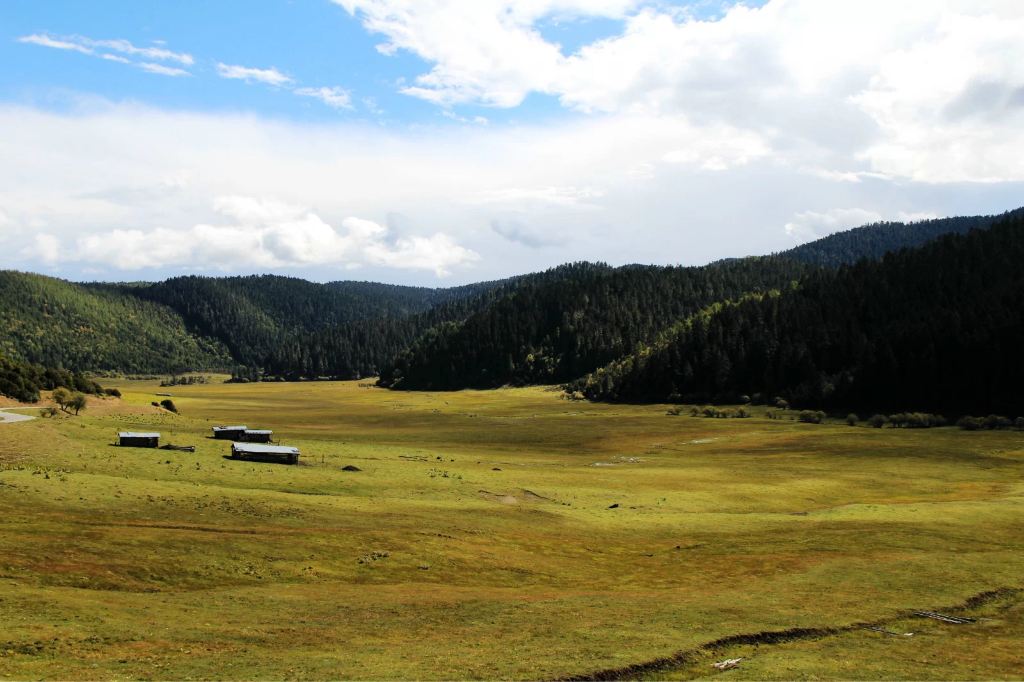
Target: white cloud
{"type": "Point", "coordinates": [338, 98]}
{"type": "Point", "coordinates": [923, 89]}
{"type": "Point", "coordinates": [237, 193]}
{"type": "Point", "coordinates": [45, 248]}
{"type": "Point", "coordinates": [269, 76]}
{"type": "Point", "coordinates": [264, 234]}
{"type": "Point", "coordinates": [106, 49]}
{"type": "Point", "coordinates": [163, 70]}
{"type": "Point", "coordinates": [44, 40]}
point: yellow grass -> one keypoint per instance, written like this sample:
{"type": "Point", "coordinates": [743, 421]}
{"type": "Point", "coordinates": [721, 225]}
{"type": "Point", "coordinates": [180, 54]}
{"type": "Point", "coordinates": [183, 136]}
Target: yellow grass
{"type": "Point", "coordinates": [478, 542]}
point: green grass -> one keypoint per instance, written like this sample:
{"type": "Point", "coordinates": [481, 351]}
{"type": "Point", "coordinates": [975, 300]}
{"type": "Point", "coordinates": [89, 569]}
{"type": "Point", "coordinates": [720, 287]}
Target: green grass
{"type": "Point", "coordinates": [503, 557]}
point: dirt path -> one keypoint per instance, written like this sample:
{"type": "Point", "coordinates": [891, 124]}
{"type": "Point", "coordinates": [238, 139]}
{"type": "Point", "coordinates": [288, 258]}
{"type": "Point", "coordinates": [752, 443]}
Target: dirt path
{"type": "Point", "coordinates": [10, 417]}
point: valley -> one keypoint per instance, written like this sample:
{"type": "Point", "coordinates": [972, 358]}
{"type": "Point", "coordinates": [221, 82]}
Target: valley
{"type": "Point", "coordinates": [499, 534]}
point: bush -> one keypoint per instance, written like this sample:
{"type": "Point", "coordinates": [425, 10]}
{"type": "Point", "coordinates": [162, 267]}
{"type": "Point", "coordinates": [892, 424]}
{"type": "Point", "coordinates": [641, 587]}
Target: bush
{"type": "Point", "coordinates": [971, 423]}
{"type": "Point", "coordinates": [742, 413]}
{"type": "Point", "coordinates": [811, 416]}
{"type": "Point", "coordinates": [694, 411]}
{"type": "Point", "coordinates": [112, 392]}
{"type": "Point", "coordinates": [995, 421]}
{"type": "Point", "coordinates": [852, 419]}
{"type": "Point", "coordinates": [169, 405]}
{"type": "Point", "coordinates": [49, 412]}
{"type": "Point", "coordinates": [674, 411]}
{"type": "Point", "coordinates": [877, 421]}
{"type": "Point", "coordinates": [782, 403]}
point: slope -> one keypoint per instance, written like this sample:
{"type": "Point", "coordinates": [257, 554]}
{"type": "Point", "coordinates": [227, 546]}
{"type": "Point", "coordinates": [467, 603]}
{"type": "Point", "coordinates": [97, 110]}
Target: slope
{"type": "Point", "coordinates": [935, 328]}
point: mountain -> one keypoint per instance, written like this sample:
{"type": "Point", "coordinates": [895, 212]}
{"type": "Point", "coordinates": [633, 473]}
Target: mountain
{"type": "Point", "coordinates": [55, 323]}
{"type": "Point", "coordinates": [570, 320]}
{"type": "Point", "coordinates": [874, 241]}
{"type": "Point", "coordinates": [935, 328]}
{"type": "Point", "coordinates": [551, 326]}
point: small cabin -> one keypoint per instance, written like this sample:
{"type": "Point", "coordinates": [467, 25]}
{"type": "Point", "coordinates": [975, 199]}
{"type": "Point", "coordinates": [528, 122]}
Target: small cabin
{"type": "Point", "coordinates": [133, 439]}
{"type": "Point", "coordinates": [256, 452]}
{"type": "Point", "coordinates": [229, 432]}
{"type": "Point", "coordinates": [256, 436]}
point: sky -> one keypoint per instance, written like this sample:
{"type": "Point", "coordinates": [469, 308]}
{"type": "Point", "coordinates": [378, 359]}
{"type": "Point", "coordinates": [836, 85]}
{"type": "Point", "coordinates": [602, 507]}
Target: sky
{"type": "Point", "coordinates": [439, 142]}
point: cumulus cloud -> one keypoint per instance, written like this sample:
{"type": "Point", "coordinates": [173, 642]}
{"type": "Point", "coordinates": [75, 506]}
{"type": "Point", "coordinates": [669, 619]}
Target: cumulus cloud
{"type": "Point", "coordinates": [922, 89]}
{"type": "Point", "coordinates": [265, 233]}
{"type": "Point", "coordinates": [238, 193]}
{"type": "Point", "coordinates": [335, 97]}
{"type": "Point", "coordinates": [249, 74]}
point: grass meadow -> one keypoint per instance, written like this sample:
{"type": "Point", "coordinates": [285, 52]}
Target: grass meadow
{"type": "Point", "coordinates": [479, 539]}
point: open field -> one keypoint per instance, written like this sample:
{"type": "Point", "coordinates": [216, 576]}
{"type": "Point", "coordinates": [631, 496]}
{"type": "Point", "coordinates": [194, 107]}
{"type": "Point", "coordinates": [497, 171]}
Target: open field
{"type": "Point", "coordinates": [477, 541]}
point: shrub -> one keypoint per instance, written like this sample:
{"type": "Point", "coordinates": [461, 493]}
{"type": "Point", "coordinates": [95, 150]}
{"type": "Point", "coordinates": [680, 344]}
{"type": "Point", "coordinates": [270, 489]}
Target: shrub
{"type": "Point", "coordinates": [782, 403]}
{"type": "Point", "coordinates": [877, 421]}
{"type": "Point", "coordinates": [852, 419]}
{"type": "Point", "coordinates": [168, 405]}
{"type": "Point", "coordinates": [971, 423]}
{"type": "Point", "coordinates": [112, 392]}
{"type": "Point", "coordinates": [49, 412]}
{"type": "Point", "coordinates": [811, 416]}
{"type": "Point", "coordinates": [742, 413]}
{"type": "Point", "coordinates": [995, 421]}
{"type": "Point", "coordinates": [674, 411]}
{"type": "Point", "coordinates": [694, 411]}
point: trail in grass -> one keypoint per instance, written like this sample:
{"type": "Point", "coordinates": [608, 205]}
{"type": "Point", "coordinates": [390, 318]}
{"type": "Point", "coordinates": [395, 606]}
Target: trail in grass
{"type": "Point", "coordinates": [10, 417]}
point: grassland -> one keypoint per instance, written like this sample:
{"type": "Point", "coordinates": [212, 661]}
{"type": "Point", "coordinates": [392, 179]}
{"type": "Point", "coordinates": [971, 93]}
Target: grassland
{"type": "Point", "coordinates": [478, 541]}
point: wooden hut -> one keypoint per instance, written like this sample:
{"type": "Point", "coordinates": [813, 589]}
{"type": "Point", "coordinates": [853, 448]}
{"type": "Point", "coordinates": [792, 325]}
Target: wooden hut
{"type": "Point", "coordinates": [257, 452]}
{"type": "Point", "coordinates": [228, 432]}
{"type": "Point", "coordinates": [134, 439]}
{"type": "Point", "coordinates": [256, 436]}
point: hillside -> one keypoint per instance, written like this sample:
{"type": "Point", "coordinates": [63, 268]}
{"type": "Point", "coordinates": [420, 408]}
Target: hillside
{"type": "Point", "coordinates": [874, 241]}
{"type": "Point", "coordinates": [937, 328]}
{"type": "Point", "coordinates": [578, 318]}
{"type": "Point", "coordinates": [56, 323]}
{"type": "Point", "coordinates": [571, 320]}
{"type": "Point", "coordinates": [544, 327]}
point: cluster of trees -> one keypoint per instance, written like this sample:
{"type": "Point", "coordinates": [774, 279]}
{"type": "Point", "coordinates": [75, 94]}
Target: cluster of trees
{"type": "Point", "coordinates": [570, 320]}
{"type": "Point", "coordinates": [938, 326]}
{"type": "Point", "coordinates": [991, 422]}
{"type": "Point", "coordinates": [23, 381]}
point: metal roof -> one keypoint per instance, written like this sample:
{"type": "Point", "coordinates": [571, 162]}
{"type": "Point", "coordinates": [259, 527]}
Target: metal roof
{"type": "Point", "coordinates": [266, 431]}
{"type": "Point", "coordinates": [265, 449]}
{"type": "Point", "coordinates": [230, 428]}
{"type": "Point", "coordinates": [136, 434]}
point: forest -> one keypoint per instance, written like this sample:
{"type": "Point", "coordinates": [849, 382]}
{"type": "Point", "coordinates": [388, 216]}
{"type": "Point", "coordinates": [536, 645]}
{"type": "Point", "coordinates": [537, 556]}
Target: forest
{"type": "Point", "coordinates": [935, 328]}
{"type": "Point", "coordinates": [635, 332]}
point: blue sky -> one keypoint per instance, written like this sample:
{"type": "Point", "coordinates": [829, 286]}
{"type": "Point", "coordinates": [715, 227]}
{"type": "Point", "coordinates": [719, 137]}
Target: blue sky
{"type": "Point", "coordinates": [445, 142]}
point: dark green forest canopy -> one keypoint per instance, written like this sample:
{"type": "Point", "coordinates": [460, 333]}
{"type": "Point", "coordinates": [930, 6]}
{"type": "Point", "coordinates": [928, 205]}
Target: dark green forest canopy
{"type": "Point", "coordinates": [935, 328]}
{"type": "Point", "coordinates": [552, 326]}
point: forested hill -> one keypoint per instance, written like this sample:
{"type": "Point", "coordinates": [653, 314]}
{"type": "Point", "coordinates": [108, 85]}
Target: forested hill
{"type": "Point", "coordinates": [572, 320]}
{"type": "Point", "coordinates": [55, 323]}
{"type": "Point", "coordinates": [937, 328]}
{"type": "Point", "coordinates": [876, 240]}
{"type": "Point", "coordinates": [257, 316]}
{"type": "Point", "coordinates": [550, 326]}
